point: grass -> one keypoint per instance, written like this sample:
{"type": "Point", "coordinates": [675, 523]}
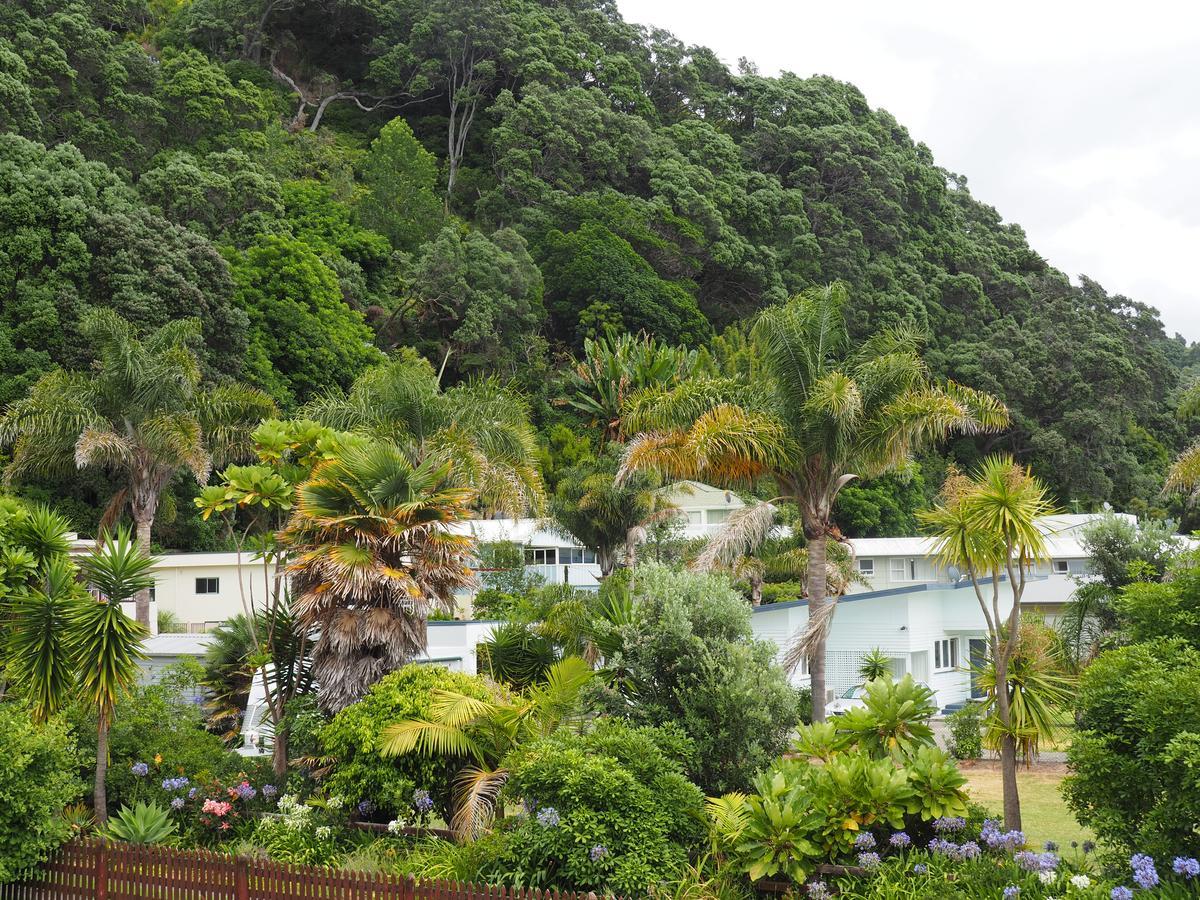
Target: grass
{"type": "Point", "coordinates": [1044, 813]}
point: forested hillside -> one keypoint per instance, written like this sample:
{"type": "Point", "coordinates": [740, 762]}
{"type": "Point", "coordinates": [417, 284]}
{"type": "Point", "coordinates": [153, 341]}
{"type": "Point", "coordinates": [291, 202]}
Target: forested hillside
{"type": "Point", "coordinates": [491, 182]}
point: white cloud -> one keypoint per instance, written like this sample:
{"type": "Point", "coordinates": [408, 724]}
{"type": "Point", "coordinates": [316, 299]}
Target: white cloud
{"type": "Point", "coordinates": [1081, 121]}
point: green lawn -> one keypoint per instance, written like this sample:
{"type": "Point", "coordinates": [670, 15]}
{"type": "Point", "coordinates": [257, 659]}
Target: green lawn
{"type": "Point", "coordinates": [1044, 813]}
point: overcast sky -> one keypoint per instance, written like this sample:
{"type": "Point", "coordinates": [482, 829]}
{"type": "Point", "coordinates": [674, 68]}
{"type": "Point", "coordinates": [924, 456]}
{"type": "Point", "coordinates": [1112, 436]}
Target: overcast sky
{"type": "Point", "coordinates": [1079, 121]}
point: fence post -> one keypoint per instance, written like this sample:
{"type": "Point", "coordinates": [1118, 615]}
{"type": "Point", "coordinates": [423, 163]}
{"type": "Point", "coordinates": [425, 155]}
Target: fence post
{"type": "Point", "coordinates": [241, 878]}
{"type": "Point", "coordinates": [102, 870]}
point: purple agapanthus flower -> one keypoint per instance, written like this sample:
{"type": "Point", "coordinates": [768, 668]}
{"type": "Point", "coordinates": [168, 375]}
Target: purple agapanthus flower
{"type": "Point", "coordinates": [269, 791]}
{"type": "Point", "coordinates": [818, 890]}
{"type": "Point", "coordinates": [175, 784]}
{"type": "Point", "coordinates": [597, 853]}
{"type": "Point", "coordinates": [1187, 866]}
{"type": "Point", "coordinates": [869, 860]}
{"type": "Point", "coordinates": [865, 841]}
{"type": "Point", "coordinates": [920, 869]}
{"type": "Point", "coordinates": [192, 794]}
{"type": "Point", "coordinates": [1145, 875]}
{"type": "Point", "coordinates": [177, 803]}
{"type": "Point", "coordinates": [365, 807]}
{"type": "Point", "coordinates": [1011, 892]}
{"type": "Point", "coordinates": [949, 823]}
{"type": "Point", "coordinates": [900, 840]}
{"type": "Point", "coordinates": [548, 817]}
{"type": "Point", "coordinates": [1031, 861]}
{"type": "Point", "coordinates": [140, 769]}
{"type": "Point", "coordinates": [1121, 893]}
{"type": "Point", "coordinates": [422, 801]}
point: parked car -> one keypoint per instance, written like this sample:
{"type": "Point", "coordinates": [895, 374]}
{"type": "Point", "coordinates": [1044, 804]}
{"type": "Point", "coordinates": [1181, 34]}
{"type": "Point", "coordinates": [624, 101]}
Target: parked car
{"type": "Point", "coordinates": [851, 699]}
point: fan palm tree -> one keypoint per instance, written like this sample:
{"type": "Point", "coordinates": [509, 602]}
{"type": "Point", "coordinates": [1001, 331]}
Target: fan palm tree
{"type": "Point", "coordinates": [987, 527]}
{"type": "Point", "coordinates": [481, 427]}
{"type": "Point", "coordinates": [484, 732]}
{"type": "Point", "coordinates": [107, 643]}
{"type": "Point", "coordinates": [371, 553]}
{"type": "Point", "coordinates": [141, 413]}
{"type": "Point", "coordinates": [824, 413]}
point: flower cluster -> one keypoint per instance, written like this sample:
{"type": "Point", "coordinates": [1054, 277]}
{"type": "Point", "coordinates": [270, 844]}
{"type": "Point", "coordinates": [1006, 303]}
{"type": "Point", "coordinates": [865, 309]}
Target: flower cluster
{"type": "Point", "coordinates": [548, 817]}
{"type": "Point", "coordinates": [395, 827]}
{"type": "Point", "coordinates": [949, 823]}
{"type": "Point", "coordinates": [1032, 861]}
{"type": "Point", "coordinates": [598, 853]}
{"type": "Point", "coordinates": [364, 809]}
{"type": "Point", "coordinates": [869, 859]}
{"type": "Point", "coordinates": [269, 791]}
{"type": "Point", "coordinates": [422, 801]}
{"type": "Point", "coordinates": [865, 841]}
{"type": "Point", "coordinates": [1082, 882]}
{"type": "Point", "coordinates": [296, 815]}
{"type": "Point", "coordinates": [216, 808]}
{"type": "Point", "coordinates": [140, 769]}
{"type": "Point", "coordinates": [958, 852]}
{"type": "Point", "coordinates": [1186, 866]}
{"type": "Point", "coordinates": [920, 869]}
{"type": "Point", "coordinates": [243, 791]}
{"type": "Point", "coordinates": [175, 784]}
{"type": "Point", "coordinates": [818, 890]}
{"type": "Point", "coordinates": [1121, 893]}
{"type": "Point", "coordinates": [900, 840]}
{"type": "Point", "coordinates": [1011, 892]}
{"type": "Point", "coordinates": [1144, 873]}
{"type": "Point", "coordinates": [991, 835]}
{"type": "Point", "coordinates": [178, 803]}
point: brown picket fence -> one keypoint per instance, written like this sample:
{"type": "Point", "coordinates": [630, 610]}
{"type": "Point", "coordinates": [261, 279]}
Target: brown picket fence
{"type": "Point", "coordinates": [96, 870]}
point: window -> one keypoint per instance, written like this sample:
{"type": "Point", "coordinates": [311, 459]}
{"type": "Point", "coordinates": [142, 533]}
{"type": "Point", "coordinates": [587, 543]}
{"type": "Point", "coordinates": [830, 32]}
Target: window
{"type": "Point", "coordinates": [902, 569]}
{"type": "Point", "coordinates": [945, 654]}
{"type": "Point", "coordinates": [540, 556]}
{"type": "Point", "coordinates": [208, 585]}
{"type": "Point", "coordinates": [718, 516]}
{"type": "Point", "coordinates": [802, 669]}
{"type": "Point", "coordinates": [576, 556]}
{"type": "Point", "coordinates": [1061, 567]}
{"type": "Point", "coordinates": [866, 567]}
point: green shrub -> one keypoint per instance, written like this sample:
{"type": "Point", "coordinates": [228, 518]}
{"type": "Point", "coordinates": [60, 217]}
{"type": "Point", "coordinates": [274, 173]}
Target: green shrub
{"type": "Point", "coordinates": [37, 779]}
{"type": "Point", "coordinates": [606, 810]}
{"type": "Point", "coordinates": [966, 732]}
{"type": "Point", "coordinates": [689, 657]}
{"type": "Point", "coordinates": [1135, 760]}
{"type": "Point", "coordinates": [158, 725]}
{"type": "Point", "coordinates": [782, 592]}
{"type": "Point", "coordinates": [352, 737]}
{"type": "Point", "coordinates": [144, 823]}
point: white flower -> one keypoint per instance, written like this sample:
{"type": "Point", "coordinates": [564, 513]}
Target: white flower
{"type": "Point", "coordinates": [395, 826]}
{"type": "Point", "coordinates": [334, 803]}
{"type": "Point", "coordinates": [1081, 881]}
{"type": "Point", "coordinates": [324, 833]}
{"type": "Point", "coordinates": [1046, 877]}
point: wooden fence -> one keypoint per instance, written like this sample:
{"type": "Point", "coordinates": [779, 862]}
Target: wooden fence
{"type": "Point", "coordinates": [95, 870]}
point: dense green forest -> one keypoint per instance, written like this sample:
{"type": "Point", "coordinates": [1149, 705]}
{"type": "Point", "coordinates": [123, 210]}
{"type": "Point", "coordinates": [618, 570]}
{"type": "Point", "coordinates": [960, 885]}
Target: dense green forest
{"type": "Point", "coordinates": [491, 183]}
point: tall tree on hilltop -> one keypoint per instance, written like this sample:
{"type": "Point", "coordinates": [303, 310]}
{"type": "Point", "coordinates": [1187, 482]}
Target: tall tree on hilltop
{"type": "Point", "coordinates": [141, 413]}
{"type": "Point", "coordinates": [825, 414]}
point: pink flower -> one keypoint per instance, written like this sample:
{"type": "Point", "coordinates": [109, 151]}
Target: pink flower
{"type": "Point", "coordinates": [216, 807]}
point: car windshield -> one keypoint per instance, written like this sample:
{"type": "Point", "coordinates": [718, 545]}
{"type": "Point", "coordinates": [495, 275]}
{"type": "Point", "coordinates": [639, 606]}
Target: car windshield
{"type": "Point", "coordinates": [853, 693]}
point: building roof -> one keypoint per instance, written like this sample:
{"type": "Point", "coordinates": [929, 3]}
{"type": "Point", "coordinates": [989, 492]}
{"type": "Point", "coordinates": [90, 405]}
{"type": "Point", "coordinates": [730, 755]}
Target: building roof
{"type": "Point", "coordinates": [176, 644]}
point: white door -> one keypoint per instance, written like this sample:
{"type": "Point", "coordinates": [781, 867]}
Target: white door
{"type": "Point", "coordinates": [920, 666]}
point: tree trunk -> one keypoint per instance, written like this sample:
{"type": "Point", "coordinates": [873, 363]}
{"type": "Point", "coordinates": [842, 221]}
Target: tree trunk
{"type": "Point", "coordinates": [1008, 745]}
{"type": "Point", "coordinates": [279, 755]}
{"type": "Point", "coordinates": [100, 795]}
{"type": "Point", "coordinates": [816, 610]}
{"type": "Point", "coordinates": [141, 600]}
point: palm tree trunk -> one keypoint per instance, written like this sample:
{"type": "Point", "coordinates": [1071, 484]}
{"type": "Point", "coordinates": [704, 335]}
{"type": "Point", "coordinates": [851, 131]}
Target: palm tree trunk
{"type": "Point", "coordinates": [141, 600]}
{"type": "Point", "coordinates": [279, 754]}
{"type": "Point", "coordinates": [816, 609]}
{"type": "Point", "coordinates": [100, 795]}
{"type": "Point", "coordinates": [1008, 747]}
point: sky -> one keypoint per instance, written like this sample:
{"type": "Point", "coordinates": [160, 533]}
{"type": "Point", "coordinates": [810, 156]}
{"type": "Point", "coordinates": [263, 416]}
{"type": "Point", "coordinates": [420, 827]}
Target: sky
{"type": "Point", "coordinates": [1079, 121]}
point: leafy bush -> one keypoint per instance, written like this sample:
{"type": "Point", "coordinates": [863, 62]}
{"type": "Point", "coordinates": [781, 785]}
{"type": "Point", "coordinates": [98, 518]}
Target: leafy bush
{"type": "Point", "coordinates": [688, 656]}
{"type": "Point", "coordinates": [37, 780]}
{"type": "Point", "coordinates": [159, 726]}
{"type": "Point", "coordinates": [608, 809]}
{"type": "Point", "coordinates": [353, 736]}
{"type": "Point", "coordinates": [966, 732]}
{"type": "Point", "coordinates": [1136, 758]}
{"type": "Point", "coordinates": [304, 833]}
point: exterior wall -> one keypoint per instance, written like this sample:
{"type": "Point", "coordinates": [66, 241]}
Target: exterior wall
{"type": "Point", "coordinates": [175, 577]}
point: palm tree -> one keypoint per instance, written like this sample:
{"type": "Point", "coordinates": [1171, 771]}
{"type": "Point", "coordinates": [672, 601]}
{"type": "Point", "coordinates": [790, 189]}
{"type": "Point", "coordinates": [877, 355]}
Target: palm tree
{"type": "Point", "coordinates": [481, 427]}
{"type": "Point", "coordinates": [141, 412]}
{"type": "Point", "coordinates": [40, 587]}
{"type": "Point", "coordinates": [615, 367]}
{"type": "Point", "coordinates": [987, 527]}
{"type": "Point", "coordinates": [485, 732]}
{"type": "Point", "coordinates": [371, 554]}
{"type": "Point", "coordinates": [822, 414]}
{"type": "Point", "coordinates": [107, 643]}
